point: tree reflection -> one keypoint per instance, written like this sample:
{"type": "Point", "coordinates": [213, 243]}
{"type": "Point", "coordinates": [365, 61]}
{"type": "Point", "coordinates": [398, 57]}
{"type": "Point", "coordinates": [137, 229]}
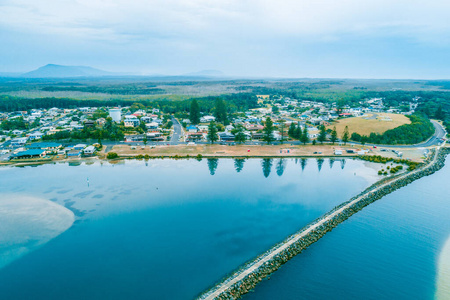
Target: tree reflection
{"type": "Point", "coordinates": [212, 165]}
{"type": "Point", "coordinates": [266, 166]}
{"type": "Point", "coordinates": [281, 165]}
{"type": "Point", "coordinates": [343, 163]}
{"type": "Point", "coordinates": [303, 163]}
{"type": "Point", "coordinates": [332, 160]}
{"type": "Point", "coordinates": [320, 162]}
{"type": "Point", "coordinates": [239, 164]}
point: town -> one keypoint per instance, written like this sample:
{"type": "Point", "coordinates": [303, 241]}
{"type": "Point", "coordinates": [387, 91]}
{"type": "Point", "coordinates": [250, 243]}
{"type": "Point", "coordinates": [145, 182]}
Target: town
{"type": "Point", "coordinates": [82, 132]}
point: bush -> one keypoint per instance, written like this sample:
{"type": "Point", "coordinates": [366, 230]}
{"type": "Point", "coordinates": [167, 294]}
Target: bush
{"type": "Point", "coordinates": [112, 155]}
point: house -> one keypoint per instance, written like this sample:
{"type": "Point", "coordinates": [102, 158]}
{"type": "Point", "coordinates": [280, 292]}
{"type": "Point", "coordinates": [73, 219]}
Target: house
{"type": "Point", "coordinates": [192, 129]}
{"type": "Point", "coordinates": [207, 119]}
{"type": "Point", "coordinates": [101, 121]}
{"type": "Point", "coordinates": [135, 137]}
{"type": "Point", "coordinates": [152, 125]}
{"type": "Point", "coordinates": [17, 142]}
{"type": "Point", "coordinates": [74, 153]}
{"type": "Point", "coordinates": [131, 121]}
{"type": "Point", "coordinates": [89, 150]}
{"type": "Point", "coordinates": [155, 136]}
{"type": "Point", "coordinates": [79, 146]}
{"type": "Point", "coordinates": [194, 136]}
{"type": "Point", "coordinates": [35, 135]}
{"type": "Point", "coordinates": [226, 136]}
{"type": "Point", "coordinates": [17, 132]}
{"type": "Point", "coordinates": [89, 123]}
{"type": "Point", "coordinates": [48, 147]}
{"type": "Point", "coordinates": [30, 153]}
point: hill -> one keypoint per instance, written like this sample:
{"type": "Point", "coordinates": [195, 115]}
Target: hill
{"type": "Point", "coordinates": [59, 71]}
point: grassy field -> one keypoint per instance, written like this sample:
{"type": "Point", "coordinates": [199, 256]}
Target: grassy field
{"type": "Point", "coordinates": [255, 151]}
{"type": "Point", "coordinates": [377, 123]}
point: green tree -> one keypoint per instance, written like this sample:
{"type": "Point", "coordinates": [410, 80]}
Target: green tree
{"type": "Point", "coordinates": [345, 135]}
{"type": "Point", "coordinates": [291, 130]}
{"type": "Point", "coordinates": [145, 140]}
{"type": "Point", "coordinates": [239, 136]}
{"type": "Point", "coordinates": [194, 113]}
{"type": "Point", "coordinates": [282, 130]}
{"type": "Point", "coordinates": [334, 135]}
{"type": "Point", "coordinates": [440, 114]}
{"type": "Point", "coordinates": [212, 132]}
{"type": "Point", "coordinates": [322, 134]}
{"type": "Point", "coordinates": [304, 137]}
{"type": "Point", "coordinates": [275, 109]}
{"type": "Point", "coordinates": [268, 131]}
{"type": "Point", "coordinates": [221, 112]}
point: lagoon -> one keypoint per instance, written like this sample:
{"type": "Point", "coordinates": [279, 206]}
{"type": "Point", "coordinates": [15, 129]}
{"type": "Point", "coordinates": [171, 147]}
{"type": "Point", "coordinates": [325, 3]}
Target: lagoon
{"type": "Point", "coordinates": [169, 229]}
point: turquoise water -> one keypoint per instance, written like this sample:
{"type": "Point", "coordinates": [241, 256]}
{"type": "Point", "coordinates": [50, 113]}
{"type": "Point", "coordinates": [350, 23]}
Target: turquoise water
{"type": "Point", "coordinates": [167, 229]}
{"type": "Point", "coordinates": [389, 250]}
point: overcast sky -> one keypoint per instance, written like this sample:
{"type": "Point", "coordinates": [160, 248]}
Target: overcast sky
{"type": "Point", "coordinates": [277, 38]}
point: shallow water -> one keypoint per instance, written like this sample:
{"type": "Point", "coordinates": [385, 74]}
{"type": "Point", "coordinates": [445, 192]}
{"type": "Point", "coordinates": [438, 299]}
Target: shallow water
{"type": "Point", "coordinates": [167, 229]}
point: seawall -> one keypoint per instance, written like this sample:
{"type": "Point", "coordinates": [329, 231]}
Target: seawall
{"type": "Point", "coordinates": [249, 275]}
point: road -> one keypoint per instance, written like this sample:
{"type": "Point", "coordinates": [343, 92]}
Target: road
{"type": "Point", "coordinates": [177, 132]}
{"type": "Point", "coordinates": [435, 140]}
{"type": "Point", "coordinates": [224, 286]}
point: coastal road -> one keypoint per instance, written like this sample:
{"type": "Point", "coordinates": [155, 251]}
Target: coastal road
{"type": "Point", "coordinates": [435, 140]}
{"type": "Point", "coordinates": [253, 267]}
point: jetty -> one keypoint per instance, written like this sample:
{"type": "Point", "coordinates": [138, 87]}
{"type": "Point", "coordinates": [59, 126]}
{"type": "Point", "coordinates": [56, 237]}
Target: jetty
{"type": "Point", "coordinates": [250, 274]}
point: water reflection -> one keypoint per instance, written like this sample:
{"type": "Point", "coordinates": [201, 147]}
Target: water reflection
{"type": "Point", "coordinates": [332, 160]}
{"type": "Point", "coordinates": [320, 163]}
{"type": "Point", "coordinates": [343, 163]}
{"type": "Point", "coordinates": [212, 165]}
{"type": "Point", "coordinates": [266, 166]}
{"type": "Point", "coordinates": [239, 164]}
{"type": "Point", "coordinates": [303, 162]}
{"type": "Point", "coordinates": [281, 165]}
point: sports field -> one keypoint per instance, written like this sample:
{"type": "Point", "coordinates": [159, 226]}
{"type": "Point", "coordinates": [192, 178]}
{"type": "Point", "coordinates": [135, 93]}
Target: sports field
{"type": "Point", "coordinates": [376, 122]}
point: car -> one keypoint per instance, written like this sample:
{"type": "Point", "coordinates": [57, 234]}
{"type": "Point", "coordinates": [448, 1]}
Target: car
{"type": "Point", "coordinates": [191, 144]}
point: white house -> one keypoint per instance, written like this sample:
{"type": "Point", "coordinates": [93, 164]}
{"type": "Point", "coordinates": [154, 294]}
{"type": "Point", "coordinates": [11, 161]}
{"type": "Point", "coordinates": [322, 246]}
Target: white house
{"type": "Point", "coordinates": [207, 119]}
{"type": "Point", "coordinates": [89, 150]}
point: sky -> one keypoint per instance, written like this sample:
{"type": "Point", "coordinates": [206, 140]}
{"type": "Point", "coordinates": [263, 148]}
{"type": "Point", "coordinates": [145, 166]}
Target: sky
{"type": "Point", "coordinates": [246, 38]}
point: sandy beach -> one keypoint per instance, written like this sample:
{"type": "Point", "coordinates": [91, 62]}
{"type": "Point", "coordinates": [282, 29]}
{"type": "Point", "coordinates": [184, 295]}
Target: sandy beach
{"type": "Point", "coordinates": [28, 223]}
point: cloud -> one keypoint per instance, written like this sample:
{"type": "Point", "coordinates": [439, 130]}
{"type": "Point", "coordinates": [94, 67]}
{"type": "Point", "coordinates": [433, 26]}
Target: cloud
{"type": "Point", "coordinates": [313, 19]}
{"type": "Point", "coordinates": [252, 36]}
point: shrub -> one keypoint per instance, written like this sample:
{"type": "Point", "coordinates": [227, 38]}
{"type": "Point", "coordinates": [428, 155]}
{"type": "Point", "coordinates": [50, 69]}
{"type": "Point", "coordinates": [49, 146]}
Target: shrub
{"type": "Point", "coordinates": [112, 155]}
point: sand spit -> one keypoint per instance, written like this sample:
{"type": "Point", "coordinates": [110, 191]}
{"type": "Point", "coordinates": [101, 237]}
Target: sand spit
{"type": "Point", "coordinates": [27, 223]}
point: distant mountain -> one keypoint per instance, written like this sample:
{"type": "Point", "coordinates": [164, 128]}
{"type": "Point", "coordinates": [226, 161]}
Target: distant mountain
{"type": "Point", "coordinates": [207, 73]}
{"type": "Point", "coordinates": [58, 71]}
